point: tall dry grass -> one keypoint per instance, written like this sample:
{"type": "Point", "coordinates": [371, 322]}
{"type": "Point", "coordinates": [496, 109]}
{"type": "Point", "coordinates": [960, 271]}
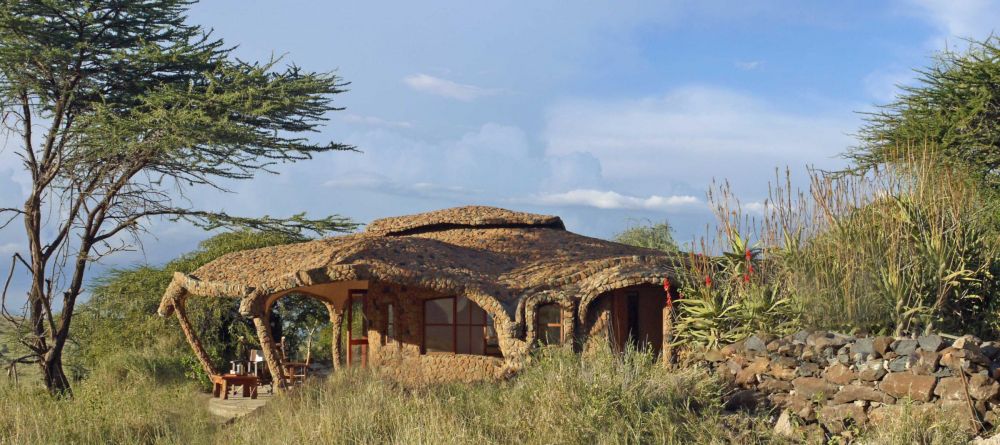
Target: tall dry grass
{"type": "Point", "coordinates": [909, 248]}
{"type": "Point", "coordinates": [131, 399]}
{"type": "Point", "coordinates": [561, 399]}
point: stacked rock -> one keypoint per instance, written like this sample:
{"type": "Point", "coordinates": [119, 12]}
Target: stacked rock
{"type": "Point", "coordinates": [836, 381]}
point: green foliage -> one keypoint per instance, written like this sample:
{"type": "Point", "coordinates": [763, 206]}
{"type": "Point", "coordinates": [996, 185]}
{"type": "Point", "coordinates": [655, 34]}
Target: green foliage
{"type": "Point", "coordinates": [130, 398]}
{"type": "Point", "coordinates": [121, 313]}
{"type": "Point", "coordinates": [954, 107]}
{"type": "Point", "coordinates": [651, 236]}
{"type": "Point", "coordinates": [119, 109]}
{"type": "Point", "coordinates": [728, 298]}
{"type": "Point", "coordinates": [910, 249]}
{"type": "Point", "coordinates": [562, 398]}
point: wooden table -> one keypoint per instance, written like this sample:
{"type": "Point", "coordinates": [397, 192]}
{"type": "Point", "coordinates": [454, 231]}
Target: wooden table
{"type": "Point", "coordinates": [221, 384]}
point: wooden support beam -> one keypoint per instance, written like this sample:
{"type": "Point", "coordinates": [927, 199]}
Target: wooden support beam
{"type": "Point", "coordinates": [271, 354]}
{"type": "Point", "coordinates": [192, 337]}
{"type": "Point", "coordinates": [336, 324]}
{"type": "Point", "coordinates": [667, 351]}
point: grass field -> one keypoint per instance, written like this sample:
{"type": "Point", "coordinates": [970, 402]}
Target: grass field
{"type": "Point", "coordinates": [561, 399]}
{"type": "Point", "coordinates": [10, 348]}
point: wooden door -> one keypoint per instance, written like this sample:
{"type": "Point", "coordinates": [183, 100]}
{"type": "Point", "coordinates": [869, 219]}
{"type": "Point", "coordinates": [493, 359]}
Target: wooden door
{"type": "Point", "coordinates": [357, 329]}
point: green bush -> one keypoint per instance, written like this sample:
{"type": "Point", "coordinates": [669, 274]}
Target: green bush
{"type": "Point", "coordinates": [560, 399]}
{"type": "Point", "coordinates": [910, 248]}
{"type": "Point", "coordinates": [121, 312]}
{"type": "Point", "coordinates": [651, 236]}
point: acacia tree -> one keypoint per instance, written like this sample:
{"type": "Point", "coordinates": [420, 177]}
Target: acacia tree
{"type": "Point", "coordinates": [117, 109]}
{"type": "Point", "coordinates": [952, 109]}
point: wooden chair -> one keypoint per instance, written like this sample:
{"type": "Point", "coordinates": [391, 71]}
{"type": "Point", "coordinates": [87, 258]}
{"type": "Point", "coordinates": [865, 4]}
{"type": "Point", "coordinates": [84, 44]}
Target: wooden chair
{"type": "Point", "coordinates": [297, 371]}
{"type": "Point", "coordinates": [258, 367]}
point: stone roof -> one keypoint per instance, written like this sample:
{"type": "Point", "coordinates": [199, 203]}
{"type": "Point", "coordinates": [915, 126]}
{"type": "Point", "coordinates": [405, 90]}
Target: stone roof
{"type": "Point", "coordinates": [493, 253]}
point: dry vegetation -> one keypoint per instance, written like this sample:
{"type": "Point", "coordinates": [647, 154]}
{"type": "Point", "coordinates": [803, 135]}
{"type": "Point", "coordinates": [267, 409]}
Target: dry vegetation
{"type": "Point", "coordinates": [561, 398]}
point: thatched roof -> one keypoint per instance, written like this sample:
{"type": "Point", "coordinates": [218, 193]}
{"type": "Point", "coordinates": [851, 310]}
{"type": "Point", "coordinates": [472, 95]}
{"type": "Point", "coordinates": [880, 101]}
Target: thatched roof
{"type": "Point", "coordinates": [489, 252]}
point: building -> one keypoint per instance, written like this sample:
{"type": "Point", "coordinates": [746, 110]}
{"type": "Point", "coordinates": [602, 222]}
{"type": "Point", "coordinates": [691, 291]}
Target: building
{"type": "Point", "coordinates": [455, 294]}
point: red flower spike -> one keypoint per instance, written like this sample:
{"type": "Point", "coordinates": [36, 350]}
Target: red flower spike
{"type": "Point", "coordinates": [750, 270]}
{"type": "Point", "coordinates": [708, 281]}
{"type": "Point", "coordinates": [746, 278]}
{"type": "Point", "coordinates": [749, 255]}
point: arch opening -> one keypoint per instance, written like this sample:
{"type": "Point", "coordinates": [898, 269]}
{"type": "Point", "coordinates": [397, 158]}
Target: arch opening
{"type": "Point", "coordinates": [632, 317]}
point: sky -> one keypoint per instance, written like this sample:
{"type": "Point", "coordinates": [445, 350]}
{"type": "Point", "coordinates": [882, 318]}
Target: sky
{"type": "Point", "coordinates": [607, 113]}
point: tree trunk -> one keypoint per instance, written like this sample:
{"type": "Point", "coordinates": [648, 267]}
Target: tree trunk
{"type": "Point", "coordinates": [52, 369]}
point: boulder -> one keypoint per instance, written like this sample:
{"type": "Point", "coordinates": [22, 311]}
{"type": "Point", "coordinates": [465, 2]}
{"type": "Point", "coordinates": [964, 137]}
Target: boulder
{"type": "Point", "coordinates": [771, 385]}
{"type": "Point", "coordinates": [864, 346]}
{"type": "Point", "coordinates": [903, 384]}
{"type": "Point", "coordinates": [813, 388]}
{"type": "Point", "coordinates": [784, 427]}
{"type": "Point", "coordinates": [838, 418]}
{"type": "Point", "coordinates": [853, 393]}
{"type": "Point", "coordinates": [905, 346]}
{"type": "Point", "coordinates": [931, 343]}
{"type": "Point", "coordinates": [871, 370]}
{"type": "Point", "coordinates": [754, 344]}
{"type": "Point", "coordinates": [782, 372]}
{"type": "Point", "coordinates": [839, 374]}
{"type": "Point", "coordinates": [990, 349]}
{"type": "Point", "coordinates": [980, 388]}
{"type": "Point", "coordinates": [967, 342]}
{"type": "Point", "coordinates": [807, 370]}
{"type": "Point", "coordinates": [881, 344]}
{"type": "Point", "coordinates": [748, 376]}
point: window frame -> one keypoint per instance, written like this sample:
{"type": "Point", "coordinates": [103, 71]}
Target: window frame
{"type": "Point", "coordinates": [390, 324]}
{"type": "Point", "coordinates": [540, 327]}
{"type": "Point", "coordinates": [456, 324]}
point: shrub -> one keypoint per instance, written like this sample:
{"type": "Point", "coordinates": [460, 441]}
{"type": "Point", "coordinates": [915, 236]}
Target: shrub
{"type": "Point", "coordinates": [909, 248]}
{"type": "Point", "coordinates": [651, 236]}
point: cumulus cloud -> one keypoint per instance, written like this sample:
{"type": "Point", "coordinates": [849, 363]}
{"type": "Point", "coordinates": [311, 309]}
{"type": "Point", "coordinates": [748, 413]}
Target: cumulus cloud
{"type": "Point", "coordinates": [694, 134]}
{"type": "Point", "coordinates": [614, 200]}
{"type": "Point", "coordinates": [447, 88]}
{"type": "Point", "coordinates": [374, 121]}
{"type": "Point", "coordinates": [380, 183]}
{"type": "Point", "coordinates": [956, 19]}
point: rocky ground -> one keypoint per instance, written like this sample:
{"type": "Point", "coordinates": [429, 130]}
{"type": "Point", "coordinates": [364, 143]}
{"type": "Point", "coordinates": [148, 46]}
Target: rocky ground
{"type": "Point", "coordinates": [830, 384]}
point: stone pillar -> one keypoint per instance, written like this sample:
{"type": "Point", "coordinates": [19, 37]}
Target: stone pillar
{"type": "Point", "coordinates": [336, 324]}
{"type": "Point", "coordinates": [667, 351]}
{"type": "Point", "coordinates": [271, 354]}
{"type": "Point", "coordinates": [192, 338]}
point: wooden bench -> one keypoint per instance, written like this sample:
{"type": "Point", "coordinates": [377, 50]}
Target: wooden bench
{"type": "Point", "coordinates": [221, 384]}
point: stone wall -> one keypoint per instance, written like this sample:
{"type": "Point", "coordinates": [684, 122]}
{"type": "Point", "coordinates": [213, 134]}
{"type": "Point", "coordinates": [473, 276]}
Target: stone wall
{"type": "Point", "coordinates": [828, 382]}
{"type": "Point", "coordinates": [400, 357]}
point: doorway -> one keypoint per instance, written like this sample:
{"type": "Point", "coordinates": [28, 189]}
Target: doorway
{"type": "Point", "coordinates": [357, 329]}
{"type": "Point", "coordinates": [636, 319]}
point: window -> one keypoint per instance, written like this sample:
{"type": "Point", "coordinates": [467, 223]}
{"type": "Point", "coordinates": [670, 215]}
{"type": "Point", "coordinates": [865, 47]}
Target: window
{"type": "Point", "coordinates": [458, 325]}
{"type": "Point", "coordinates": [549, 328]}
{"type": "Point", "coordinates": [390, 324]}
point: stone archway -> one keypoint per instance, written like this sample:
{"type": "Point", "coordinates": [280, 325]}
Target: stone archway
{"type": "Point", "coordinates": [333, 296]}
{"type": "Point", "coordinates": [635, 316]}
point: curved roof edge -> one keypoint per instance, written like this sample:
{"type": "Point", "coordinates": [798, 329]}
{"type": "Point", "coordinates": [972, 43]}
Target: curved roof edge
{"type": "Point", "coordinates": [461, 217]}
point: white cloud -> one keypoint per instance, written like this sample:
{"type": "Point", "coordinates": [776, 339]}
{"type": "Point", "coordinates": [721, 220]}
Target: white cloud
{"type": "Point", "coordinates": [693, 134]}
{"type": "Point", "coordinates": [614, 200]}
{"type": "Point", "coordinates": [443, 87]}
{"type": "Point", "coordinates": [374, 121]}
{"type": "Point", "coordinates": [380, 183]}
{"type": "Point", "coordinates": [749, 65]}
{"type": "Point", "coordinates": [957, 19]}
{"type": "Point", "coordinates": [883, 85]}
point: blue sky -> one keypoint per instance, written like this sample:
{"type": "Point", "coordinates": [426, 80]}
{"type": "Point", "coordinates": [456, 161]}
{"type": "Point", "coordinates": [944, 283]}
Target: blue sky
{"type": "Point", "coordinates": [603, 112]}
